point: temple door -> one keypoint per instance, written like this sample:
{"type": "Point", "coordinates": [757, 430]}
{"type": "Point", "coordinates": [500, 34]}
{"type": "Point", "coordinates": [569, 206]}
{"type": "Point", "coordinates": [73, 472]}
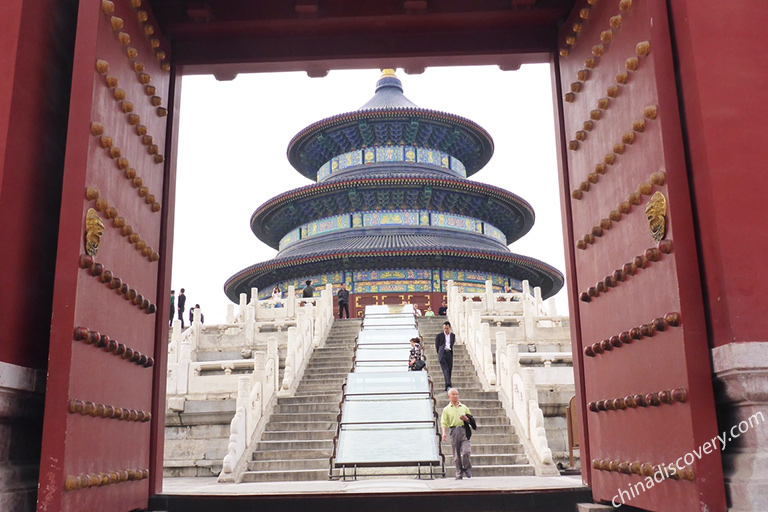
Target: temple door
{"type": "Point", "coordinates": [104, 416]}
{"type": "Point", "coordinates": [640, 342]}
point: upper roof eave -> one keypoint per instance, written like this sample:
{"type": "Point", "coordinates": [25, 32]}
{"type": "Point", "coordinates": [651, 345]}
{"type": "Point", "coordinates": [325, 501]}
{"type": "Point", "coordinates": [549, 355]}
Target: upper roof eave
{"type": "Point", "coordinates": [485, 145]}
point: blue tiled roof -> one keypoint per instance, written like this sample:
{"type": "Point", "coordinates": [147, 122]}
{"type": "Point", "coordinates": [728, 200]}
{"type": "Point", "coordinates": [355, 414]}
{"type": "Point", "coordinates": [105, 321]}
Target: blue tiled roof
{"type": "Point", "coordinates": [508, 212]}
{"type": "Point", "coordinates": [427, 237]}
{"type": "Point", "coordinates": [389, 118]}
{"type": "Point", "coordinates": [389, 94]}
{"type": "Point", "coordinates": [267, 273]}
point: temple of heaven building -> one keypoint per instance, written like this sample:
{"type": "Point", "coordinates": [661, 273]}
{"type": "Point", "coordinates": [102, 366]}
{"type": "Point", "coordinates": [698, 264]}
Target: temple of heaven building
{"type": "Point", "coordinates": [392, 213]}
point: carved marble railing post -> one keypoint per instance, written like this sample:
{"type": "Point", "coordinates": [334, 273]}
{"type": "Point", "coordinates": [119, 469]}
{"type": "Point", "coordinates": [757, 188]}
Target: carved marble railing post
{"type": "Point", "coordinates": [291, 302]}
{"type": "Point", "coordinates": [302, 331]}
{"type": "Point", "coordinates": [513, 356]}
{"type": "Point", "coordinates": [273, 356]}
{"type": "Point", "coordinates": [237, 438]}
{"type": "Point", "coordinates": [197, 317]}
{"type": "Point", "coordinates": [243, 392]}
{"type": "Point", "coordinates": [317, 319]}
{"type": "Point", "coordinates": [464, 316]}
{"type": "Point", "coordinates": [250, 318]}
{"type": "Point", "coordinates": [512, 360]}
{"type": "Point", "coordinates": [529, 310]}
{"type": "Point", "coordinates": [311, 330]}
{"type": "Point", "coordinates": [307, 332]}
{"type": "Point", "coordinates": [255, 396]}
{"type": "Point", "coordinates": [474, 324]}
{"type": "Point", "coordinates": [325, 313]}
{"type": "Point", "coordinates": [182, 372]}
{"type": "Point", "coordinates": [230, 314]}
{"type": "Point", "coordinates": [489, 300]}
{"type": "Point", "coordinates": [242, 307]}
{"type": "Point", "coordinates": [538, 301]}
{"type": "Point", "coordinates": [551, 307]}
{"type": "Point", "coordinates": [173, 349]}
{"type": "Point", "coordinates": [520, 403]}
{"type": "Point", "coordinates": [502, 365]}
{"type": "Point", "coordinates": [290, 358]}
{"type": "Point", "coordinates": [536, 432]}
{"type": "Point", "coordinates": [488, 368]}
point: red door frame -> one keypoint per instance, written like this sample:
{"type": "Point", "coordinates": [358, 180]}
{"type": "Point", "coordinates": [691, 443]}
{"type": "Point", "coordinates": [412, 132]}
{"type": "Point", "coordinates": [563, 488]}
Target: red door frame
{"type": "Point", "coordinates": [164, 283]}
{"type": "Point", "coordinates": [61, 323]}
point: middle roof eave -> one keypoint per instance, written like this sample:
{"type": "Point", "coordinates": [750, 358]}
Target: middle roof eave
{"type": "Point", "coordinates": [506, 211]}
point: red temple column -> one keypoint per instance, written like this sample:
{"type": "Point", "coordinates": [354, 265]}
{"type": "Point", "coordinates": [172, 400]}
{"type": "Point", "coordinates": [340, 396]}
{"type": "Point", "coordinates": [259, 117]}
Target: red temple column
{"type": "Point", "coordinates": [35, 72]}
{"type": "Point", "coordinates": [722, 75]}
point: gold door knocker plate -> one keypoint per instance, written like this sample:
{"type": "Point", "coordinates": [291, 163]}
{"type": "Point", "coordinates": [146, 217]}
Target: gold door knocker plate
{"type": "Point", "coordinates": [656, 212]}
{"type": "Point", "coordinates": [94, 229]}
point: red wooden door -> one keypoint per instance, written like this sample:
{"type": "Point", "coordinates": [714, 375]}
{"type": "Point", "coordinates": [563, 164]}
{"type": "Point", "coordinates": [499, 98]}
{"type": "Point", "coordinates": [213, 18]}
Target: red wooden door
{"type": "Point", "coordinates": [640, 341]}
{"type": "Point", "coordinates": [102, 438]}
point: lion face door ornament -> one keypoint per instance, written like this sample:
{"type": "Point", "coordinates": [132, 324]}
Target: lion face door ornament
{"type": "Point", "coordinates": [656, 212]}
{"type": "Point", "coordinates": [94, 230]}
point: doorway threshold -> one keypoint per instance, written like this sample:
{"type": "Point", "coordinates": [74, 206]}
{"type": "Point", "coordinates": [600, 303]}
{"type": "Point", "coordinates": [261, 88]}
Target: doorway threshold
{"type": "Point", "coordinates": [513, 494]}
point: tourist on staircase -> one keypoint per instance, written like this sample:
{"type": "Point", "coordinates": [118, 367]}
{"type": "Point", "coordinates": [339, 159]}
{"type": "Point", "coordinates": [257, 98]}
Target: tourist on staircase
{"type": "Point", "coordinates": [417, 359]}
{"type": "Point", "coordinates": [444, 345]}
{"type": "Point", "coordinates": [456, 421]}
{"type": "Point", "coordinates": [182, 300]}
{"type": "Point", "coordinates": [343, 296]}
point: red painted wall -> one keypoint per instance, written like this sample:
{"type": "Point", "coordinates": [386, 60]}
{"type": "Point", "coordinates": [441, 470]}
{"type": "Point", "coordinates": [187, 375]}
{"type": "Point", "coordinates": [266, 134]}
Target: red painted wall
{"type": "Point", "coordinates": [723, 70]}
{"type": "Point", "coordinates": [35, 72]}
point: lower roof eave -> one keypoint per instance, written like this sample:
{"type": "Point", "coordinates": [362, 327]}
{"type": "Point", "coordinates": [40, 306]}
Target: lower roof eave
{"type": "Point", "coordinates": [515, 266]}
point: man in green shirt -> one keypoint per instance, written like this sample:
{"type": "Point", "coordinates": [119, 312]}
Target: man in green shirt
{"type": "Point", "coordinates": [452, 421]}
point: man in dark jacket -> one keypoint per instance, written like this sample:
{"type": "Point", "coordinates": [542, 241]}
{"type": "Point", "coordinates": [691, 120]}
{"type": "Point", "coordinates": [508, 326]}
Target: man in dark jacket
{"type": "Point", "coordinates": [343, 296]}
{"type": "Point", "coordinates": [444, 345]}
{"type": "Point", "coordinates": [182, 302]}
{"type": "Point", "coordinates": [309, 291]}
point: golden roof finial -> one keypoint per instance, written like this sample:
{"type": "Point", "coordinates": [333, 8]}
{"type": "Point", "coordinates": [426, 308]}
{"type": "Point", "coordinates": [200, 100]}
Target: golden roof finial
{"type": "Point", "coordinates": [387, 72]}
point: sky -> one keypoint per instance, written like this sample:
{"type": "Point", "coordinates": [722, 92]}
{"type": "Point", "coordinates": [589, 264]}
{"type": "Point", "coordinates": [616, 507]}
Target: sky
{"type": "Point", "coordinates": [233, 138]}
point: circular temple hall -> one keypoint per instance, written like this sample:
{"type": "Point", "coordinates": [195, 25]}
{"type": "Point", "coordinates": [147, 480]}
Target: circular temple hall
{"type": "Point", "coordinates": [392, 213]}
